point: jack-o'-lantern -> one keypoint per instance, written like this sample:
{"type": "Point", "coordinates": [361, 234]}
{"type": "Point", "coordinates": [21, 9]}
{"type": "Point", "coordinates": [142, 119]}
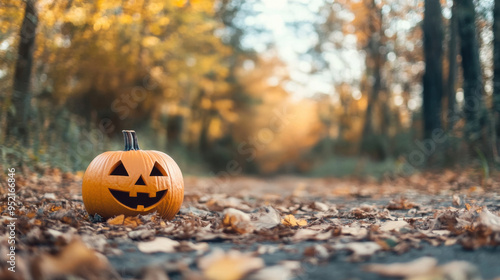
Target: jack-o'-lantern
{"type": "Point", "coordinates": [133, 182]}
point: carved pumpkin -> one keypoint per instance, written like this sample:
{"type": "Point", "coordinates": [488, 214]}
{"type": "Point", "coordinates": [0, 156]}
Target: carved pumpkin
{"type": "Point", "coordinates": [133, 182]}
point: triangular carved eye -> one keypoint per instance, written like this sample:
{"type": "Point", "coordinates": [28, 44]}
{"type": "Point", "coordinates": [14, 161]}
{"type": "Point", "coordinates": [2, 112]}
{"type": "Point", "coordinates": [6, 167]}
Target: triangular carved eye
{"type": "Point", "coordinates": [119, 170]}
{"type": "Point", "coordinates": [157, 170]}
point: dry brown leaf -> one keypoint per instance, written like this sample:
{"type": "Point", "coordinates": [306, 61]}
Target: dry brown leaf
{"type": "Point", "coordinates": [456, 270]}
{"type": "Point", "coordinates": [290, 220]}
{"type": "Point", "coordinates": [420, 266]}
{"type": "Point", "coordinates": [159, 244]}
{"type": "Point", "coordinates": [276, 272]}
{"type": "Point", "coordinates": [456, 200]}
{"type": "Point", "coordinates": [267, 217]}
{"type": "Point", "coordinates": [489, 219]}
{"type": "Point", "coordinates": [318, 251]}
{"type": "Point", "coordinates": [116, 221]}
{"type": "Point", "coordinates": [401, 204]}
{"type": "Point", "coordinates": [55, 208]}
{"type": "Point", "coordinates": [393, 225]}
{"type": "Point", "coordinates": [141, 234]}
{"type": "Point", "coordinates": [266, 249]}
{"type": "Point", "coordinates": [450, 241]}
{"type": "Point", "coordinates": [355, 230]}
{"type": "Point", "coordinates": [237, 221]}
{"type": "Point", "coordinates": [320, 206]}
{"type": "Point", "coordinates": [132, 222]}
{"type": "Point", "coordinates": [304, 234]}
{"type": "Point", "coordinates": [309, 234]}
{"type": "Point", "coordinates": [292, 265]}
{"type": "Point", "coordinates": [232, 265]}
{"type": "Point", "coordinates": [363, 249]}
{"type": "Point", "coordinates": [97, 242]}
{"type": "Point", "coordinates": [426, 268]}
{"type": "Point", "coordinates": [441, 232]}
{"type": "Point", "coordinates": [119, 220]}
{"type": "Point", "coordinates": [155, 273]}
{"type": "Point", "coordinates": [198, 247]}
{"type": "Point", "coordinates": [74, 259]}
{"type": "Point", "coordinates": [459, 270]}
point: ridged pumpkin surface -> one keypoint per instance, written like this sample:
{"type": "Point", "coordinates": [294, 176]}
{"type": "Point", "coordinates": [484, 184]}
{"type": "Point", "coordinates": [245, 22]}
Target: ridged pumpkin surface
{"type": "Point", "coordinates": [110, 195]}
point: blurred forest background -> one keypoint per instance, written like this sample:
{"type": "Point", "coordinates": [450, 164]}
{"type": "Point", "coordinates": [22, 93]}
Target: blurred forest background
{"type": "Point", "coordinates": [317, 87]}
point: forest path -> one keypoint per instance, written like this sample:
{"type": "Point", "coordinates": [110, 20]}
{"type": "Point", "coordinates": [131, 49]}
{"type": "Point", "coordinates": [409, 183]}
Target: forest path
{"type": "Point", "coordinates": [268, 228]}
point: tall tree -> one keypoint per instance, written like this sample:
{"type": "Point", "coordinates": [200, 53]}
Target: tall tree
{"type": "Point", "coordinates": [21, 97]}
{"type": "Point", "coordinates": [474, 109]}
{"type": "Point", "coordinates": [496, 65]}
{"type": "Point", "coordinates": [433, 77]}
{"type": "Point", "coordinates": [452, 68]}
{"type": "Point", "coordinates": [375, 60]}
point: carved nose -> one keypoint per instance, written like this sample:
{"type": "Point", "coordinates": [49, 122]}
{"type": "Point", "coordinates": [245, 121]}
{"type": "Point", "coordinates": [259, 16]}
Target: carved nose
{"type": "Point", "coordinates": [140, 181]}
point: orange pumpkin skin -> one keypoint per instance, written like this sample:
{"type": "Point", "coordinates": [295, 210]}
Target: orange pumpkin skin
{"type": "Point", "coordinates": [140, 192]}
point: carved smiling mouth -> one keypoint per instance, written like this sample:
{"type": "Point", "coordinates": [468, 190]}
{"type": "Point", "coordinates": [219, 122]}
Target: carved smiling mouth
{"type": "Point", "coordinates": [142, 200]}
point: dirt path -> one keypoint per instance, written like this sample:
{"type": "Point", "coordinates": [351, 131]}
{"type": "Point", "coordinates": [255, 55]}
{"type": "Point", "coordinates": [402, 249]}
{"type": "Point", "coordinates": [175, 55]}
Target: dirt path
{"type": "Point", "coordinates": [272, 228]}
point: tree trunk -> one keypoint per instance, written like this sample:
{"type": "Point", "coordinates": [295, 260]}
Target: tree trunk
{"type": "Point", "coordinates": [474, 108]}
{"type": "Point", "coordinates": [496, 74]}
{"type": "Point", "coordinates": [370, 143]}
{"type": "Point", "coordinates": [452, 69]}
{"type": "Point", "coordinates": [21, 97]}
{"type": "Point", "coordinates": [174, 130]}
{"type": "Point", "coordinates": [433, 77]}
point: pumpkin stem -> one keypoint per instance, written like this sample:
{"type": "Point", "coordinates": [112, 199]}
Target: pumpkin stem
{"type": "Point", "coordinates": [130, 139]}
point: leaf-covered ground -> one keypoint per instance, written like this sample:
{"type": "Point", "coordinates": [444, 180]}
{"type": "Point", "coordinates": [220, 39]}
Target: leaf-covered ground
{"type": "Point", "coordinates": [274, 228]}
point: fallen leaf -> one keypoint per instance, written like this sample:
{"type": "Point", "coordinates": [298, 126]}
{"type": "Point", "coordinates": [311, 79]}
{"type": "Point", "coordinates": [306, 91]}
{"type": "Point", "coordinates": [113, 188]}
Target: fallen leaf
{"type": "Point", "coordinates": [266, 249]}
{"type": "Point", "coordinates": [420, 266]}
{"type": "Point", "coordinates": [320, 206]}
{"type": "Point", "coordinates": [400, 204]}
{"type": "Point", "coordinates": [317, 250]}
{"type": "Point", "coordinates": [309, 234]}
{"type": "Point", "coordinates": [276, 272]}
{"type": "Point", "coordinates": [304, 234]}
{"type": "Point", "coordinates": [363, 249]}
{"type": "Point", "coordinates": [393, 225]}
{"type": "Point", "coordinates": [159, 244]}
{"type": "Point", "coordinates": [97, 242]}
{"type": "Point", "coordinates": [232, 265]}
{"type": "Point", "coordinates": [458, 270]}
{"type": "Point", "coordinates": [450, 241]}
{"type": "Point", "coordinates": [292, 265]}
{"type": "Point", "coordinates": [229, 202]}
{"type": "Point", "coordinates": [267, 217]}
{"type": "Point", "coordinates": [355, 231]}
{"type": "Point", "coordinates": [237, 221]}
{"type": "Point", "coordinates": [186, 246]}
{"type": "Point", "coordinates": [132, 222]}
{"type": "Point", "coordinates": [194, 211]}
{"type": "Point", "coordinates": [141, 234]}
{"type": "Point", "coordinates": [55, 208]}
{"type": "Point", "coordinates": [154, 273]}
{"type": "Point", "coordinates": [426, 268]}
{"type": "Point", "coordinates": [290, 220]}
{"type": "Point", "coordinates": [468, 207]}
{"type": "Point", "coordinates": [49, 196]}
{"type": "Point", "coordinates": [74, 259]}
{"type": "Point", "coordinates": [441, 232]}
{"type": "Point", "coordinates": [489, 219]}
{"type": "Point", "coordinates": [116, 221]}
